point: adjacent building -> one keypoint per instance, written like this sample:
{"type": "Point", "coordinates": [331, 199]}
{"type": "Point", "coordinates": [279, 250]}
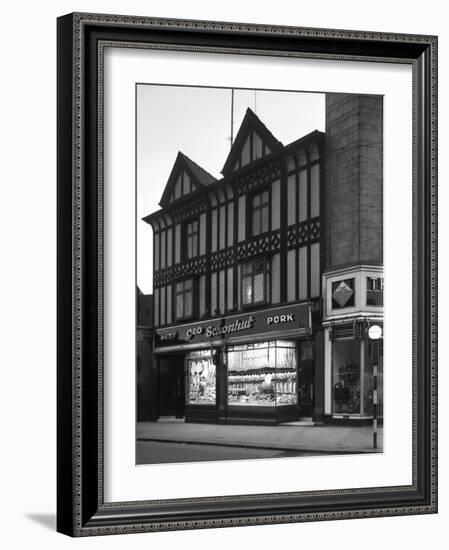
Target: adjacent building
{"type": "Point", "coordinates": [267, 279]}
{"type": "Point", "coordinates": [146, 370]}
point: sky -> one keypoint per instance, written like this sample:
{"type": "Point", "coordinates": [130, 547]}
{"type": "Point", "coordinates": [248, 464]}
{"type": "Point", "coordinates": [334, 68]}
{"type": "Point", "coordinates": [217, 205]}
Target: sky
{"type": "Point", "coordinates": [197, 122]}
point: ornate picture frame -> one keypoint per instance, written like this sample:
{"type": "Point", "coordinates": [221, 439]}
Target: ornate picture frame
{"type": "Point", "coordinates": [81, 508]}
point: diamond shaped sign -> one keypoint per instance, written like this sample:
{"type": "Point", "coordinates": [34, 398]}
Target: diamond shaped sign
{"type": "Point", "coordinates": [342, 294]}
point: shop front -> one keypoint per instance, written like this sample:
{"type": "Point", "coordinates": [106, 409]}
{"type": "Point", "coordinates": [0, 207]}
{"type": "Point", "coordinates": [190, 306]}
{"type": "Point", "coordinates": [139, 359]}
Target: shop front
{"type": "Point", "coordinates": [244, 368]}
{"type": "Point", "coordinates": [353, 356]}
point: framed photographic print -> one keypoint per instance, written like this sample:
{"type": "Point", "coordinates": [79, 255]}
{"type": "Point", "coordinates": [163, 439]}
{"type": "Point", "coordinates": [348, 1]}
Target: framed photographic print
{"type": "Point", "coordinates": [247, 282]}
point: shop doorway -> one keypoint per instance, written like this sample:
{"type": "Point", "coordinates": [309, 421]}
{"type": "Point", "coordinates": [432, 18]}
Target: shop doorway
{"type": "Point", "coordinates": [171, 386]}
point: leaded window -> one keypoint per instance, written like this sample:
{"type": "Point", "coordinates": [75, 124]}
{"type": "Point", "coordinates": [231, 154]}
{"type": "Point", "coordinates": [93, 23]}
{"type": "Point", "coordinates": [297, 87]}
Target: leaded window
{"type": "Point", "coordinates": [254, 281]}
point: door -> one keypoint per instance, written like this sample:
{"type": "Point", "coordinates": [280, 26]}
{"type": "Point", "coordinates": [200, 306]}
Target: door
{"type": "Point", "coordinates": [171, 386]}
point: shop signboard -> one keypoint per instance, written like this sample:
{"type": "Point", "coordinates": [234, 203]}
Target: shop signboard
{"type": "Point", "coordinates": [263, 322]}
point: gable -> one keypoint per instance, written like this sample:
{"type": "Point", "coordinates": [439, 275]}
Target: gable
{"type": "Point", "coordinates": [182, 186]}
{"type": "Point", "coordinates": [253, 141]}
{"type": "Point", "coordinates": [253, 149]}
{"type": "Point", "coordinates": [185, 178]}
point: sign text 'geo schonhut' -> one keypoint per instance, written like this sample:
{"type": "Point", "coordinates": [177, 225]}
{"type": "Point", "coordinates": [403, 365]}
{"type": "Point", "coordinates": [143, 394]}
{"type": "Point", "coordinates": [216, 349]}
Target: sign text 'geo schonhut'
{"type": "Point", "coordinates": [257, 322]}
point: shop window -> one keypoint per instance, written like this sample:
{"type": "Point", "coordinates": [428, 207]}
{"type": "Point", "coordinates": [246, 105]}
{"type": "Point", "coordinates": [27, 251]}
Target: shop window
{"type": "Point", "coordinates": [201, 378]}
{"type": "Point", "coordinates": [374, 291]}
{"type": "Point", "coordinates": [262, 374]}
{"type": "Point", "coordinates": [346, 388]}
{"type": "Point", "coordinates": [191, 239]}
{"type": "Point", "coordinates": [254, 281]}
{"type": "Point", "coordinates": [184, 299]}
{"type": "Point", "coordinates": [343, 294]}
{"type": "Point", "coordinates": [260, 209]}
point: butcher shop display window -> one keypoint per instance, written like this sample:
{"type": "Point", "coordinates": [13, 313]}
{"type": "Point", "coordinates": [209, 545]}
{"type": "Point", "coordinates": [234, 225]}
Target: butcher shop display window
{"type": "Point", "coordinates": [201, 378]}
{"type": "Point", "coordinates": [262, 374]}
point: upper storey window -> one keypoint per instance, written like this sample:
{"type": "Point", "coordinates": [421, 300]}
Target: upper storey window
{"type": "Point", "coordinates": [260, 210]}
{"type": "Point", "coordinates": [191, 239]}
{"type": "Point", "coordinates": [374, 291]}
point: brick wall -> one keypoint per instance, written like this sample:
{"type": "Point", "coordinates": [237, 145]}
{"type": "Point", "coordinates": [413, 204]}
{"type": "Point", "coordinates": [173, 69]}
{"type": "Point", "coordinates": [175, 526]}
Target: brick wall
{"type": "Point", "coordinates": [353, 180]}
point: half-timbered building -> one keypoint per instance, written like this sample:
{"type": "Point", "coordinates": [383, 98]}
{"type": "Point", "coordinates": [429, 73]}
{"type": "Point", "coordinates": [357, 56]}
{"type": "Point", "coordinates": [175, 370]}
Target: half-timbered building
{"type": "Point", "coordinates": [239, 272]}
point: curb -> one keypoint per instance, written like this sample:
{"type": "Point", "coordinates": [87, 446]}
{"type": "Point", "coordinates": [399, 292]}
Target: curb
{"type": "Point", "coordinates": [261, 447]}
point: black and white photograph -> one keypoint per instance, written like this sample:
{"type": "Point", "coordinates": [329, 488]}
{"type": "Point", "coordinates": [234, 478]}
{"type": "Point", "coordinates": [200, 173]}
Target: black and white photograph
{"type": "Point", "coordinates": [259, 292]}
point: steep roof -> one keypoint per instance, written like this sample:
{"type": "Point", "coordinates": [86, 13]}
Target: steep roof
{"type": "Point", "coordinates": [198, 178]}
{"type": "Point", "coordinates": [251, 123]}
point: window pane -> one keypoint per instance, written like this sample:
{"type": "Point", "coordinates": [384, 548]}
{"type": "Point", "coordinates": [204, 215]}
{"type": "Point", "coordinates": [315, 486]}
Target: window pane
{"type": "Point", "coordinates": [188, 304]}
{"type": "Point", "coordinates": [275, 205]}
{"type": "Point", "coordinates": [230, 224]}
{"type": "Point", "coordinates": [221, 291]}
{"type": "Point", "coordinates": [291, 276]}
{"type": "Point", "coordinates": [246, 152]}
{"type": "Point", "coordinates": [156, 251]}
{"type": "Point", "coordinates": [315, 191]}
{"type": "Point", "coordinates": [247, 291]}
{"type": "Point", "coordinates": [303, 273]}
{"type": "Point", "coordinates": [178, 187]}
{"type": "Point", "coordinates": [163, 250]}
{"type": "Point", "coordinates": [246, 269]}
{"type": "Point", "coordinates": [186, 184]}
{"type": "Point", "coordinates": [177, 244]}
{"type": "Point", "coordinates": [222, 226]}
{"type": "Point", "coordinates": [188, 284]}
{"type": "Point", "coordinates": [230, 283]}
{"type": "Point", "coordinates": [202, 293]}
{"type": "Point", "coordinates": [302, 195]}
{"type": "Point", "coordinates": [156, 307]}
{"type": "Point", "coordinates": [315, 270]}
{"type": "Point", "coordinates": [179, 306]}
{"type": "Point", "coordinates": [256, 222]}
{"type": "Point", "coordinates": [264, 219]}
{"type": "Point", "coordinates": [275, 278]}
{"type": "Point", "coordinates": [163, 305]}
{"type": "Point", "coordinates": [265, 197]}
{"type": "Point", "coordinates": [291, 200]}
{"type": "Point", "coordinates": [189, 247]}
{"type": "Point", "coordinates": [213, 294]}
{"type": "Point", "coordinates": [214, 230]}
{"type": "Point", "coordinates": [179, 287]}
{"type": "Point", "coordinates": [256, 200]}
{"type": "Point", "coordinates": [203, 234]}
{"type": "Point", "coordinates": [169, 304]}
{"type": "Point", "coordinates": [259, 288]}
{"type": "Point", "coordinates": [346, 383]}
{"type": "Point", "coordinates": [258, 146]}
{"type": "Point", "coordinates": [169, 247]}
{"type": "Point", "coordinates": [242, 217]}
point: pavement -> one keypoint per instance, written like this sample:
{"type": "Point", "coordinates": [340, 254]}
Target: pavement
{"type": "Point", "coordinates": [289, 437]}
